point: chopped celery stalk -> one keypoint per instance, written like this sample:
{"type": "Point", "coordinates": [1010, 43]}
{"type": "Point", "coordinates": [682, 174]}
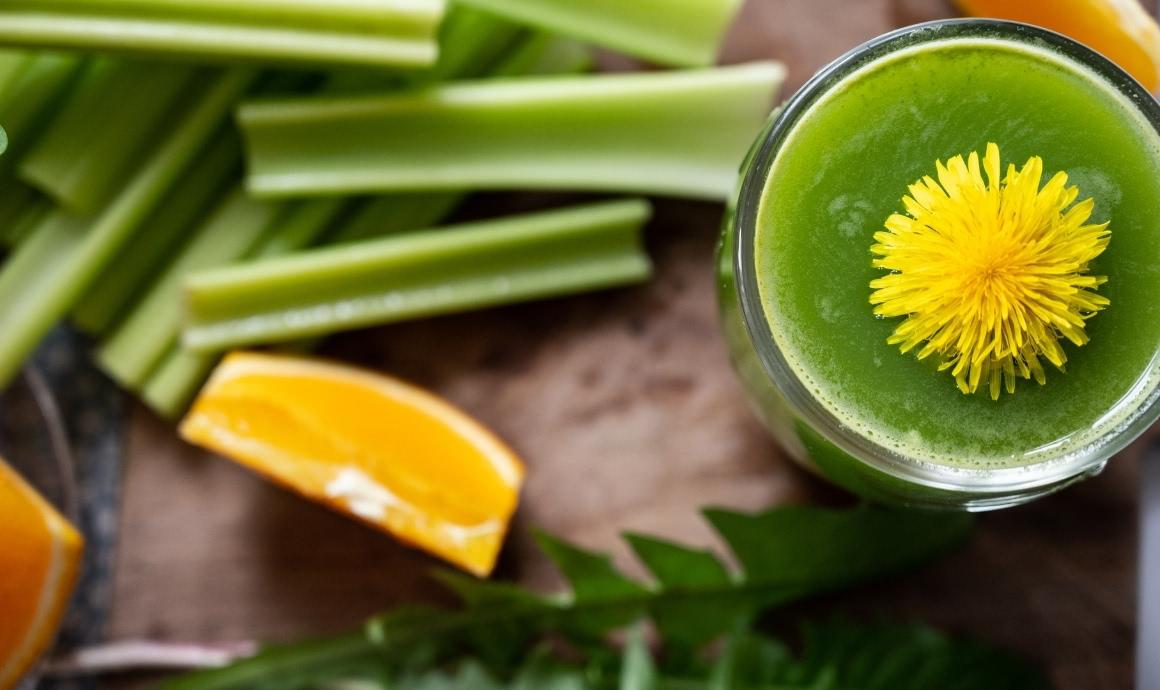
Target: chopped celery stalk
{"type": "Point", "coordinates": [685, 33]}
{"type": "Point", "coordinates": [545, 54]}
{"type": "Point", "coordinates": [676, 133]}
{"type": "Point", "coordinates": [24, 220]}
{"type": "Point", "coordinates": [301, 224]}
{"type": "Point", "coordinates": [165, 231]}
{"type": "Point", "coordinates": [176, 381]}
{"type": "Point", "coordinates": [15, 198]}
{"type": "Point", "coordinates": [28, 97]}
{"type": "Point", "coordinates": [12, 64]}
{"type": "Point", "coordinates": [420, 274]}
{"type": "Point", "coordinates": [104, 129]}
{"type": "Point", "coordinates": [386, 33]}
{"type": "Point", "coordinates": [471, 43]}
{"type": "Point", "coordinates": [66, 255]}
{"type": "Point", "coordinates": [140, 342]}
{"type": "Point", "coordinates": [389, 215]}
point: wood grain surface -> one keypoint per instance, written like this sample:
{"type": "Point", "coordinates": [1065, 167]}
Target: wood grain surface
{"type": "Point", "coordinates": [625, 408]}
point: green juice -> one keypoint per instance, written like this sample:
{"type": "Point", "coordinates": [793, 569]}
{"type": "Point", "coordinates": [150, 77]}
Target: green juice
{"type": "Point", "coordinates": [841, 168]}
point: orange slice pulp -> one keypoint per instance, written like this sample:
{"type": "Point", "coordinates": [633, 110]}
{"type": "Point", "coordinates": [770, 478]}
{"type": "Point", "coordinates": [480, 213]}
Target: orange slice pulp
{"type": "Point", "coordinates": [373, 447]}
{"type": "Point", "coordinates": [1120, 29]}
{"type": "Point", "coordinates": [40, 556]}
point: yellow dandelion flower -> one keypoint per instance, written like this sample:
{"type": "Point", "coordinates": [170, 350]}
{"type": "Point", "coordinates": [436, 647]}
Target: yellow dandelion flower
{"type": "Point", "coordinates": [990, 275]}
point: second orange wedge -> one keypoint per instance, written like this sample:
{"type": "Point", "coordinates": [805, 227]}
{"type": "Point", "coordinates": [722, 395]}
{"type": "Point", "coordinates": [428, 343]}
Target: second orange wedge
{"type": "Point", "coordinates": [378, 449]}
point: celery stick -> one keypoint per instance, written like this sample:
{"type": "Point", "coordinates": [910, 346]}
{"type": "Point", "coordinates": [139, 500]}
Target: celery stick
{"type": "Point", "coordinates": [389, 215]}
{"type": "Point", "coordinates": [384, 33]}
{"type": "Point", "coordinates": [28, 98]}
{"type": "Point", "coordinates": [104, 130]}
{"type": "Point", "coordinates": [544, 54]}
{"type": "Point", "coordinates": [23, 220]}
{"type": "Point", "coordinates": [15, 199]}
{"type": "Point", "coordinates": [678, 133]}
{"type": "Point", "coordinates": [53, 269]}
{"type": "Point", "coordinates": [300, 225]}
{"type": "Point", "coordinates": [164, 232]}
{"type": "Point", "coordinates": [459, 268]}
{"type": "Point", "coordinates": [685, 33]}
{"type": "Point", "coordinates": [13, 63]}
{"type": "Point", "coordinates": [176, 381]}
{"type": "Point", "coordinates": [472, 42]}
{"type": "Point", "coordinates": [135, 347]}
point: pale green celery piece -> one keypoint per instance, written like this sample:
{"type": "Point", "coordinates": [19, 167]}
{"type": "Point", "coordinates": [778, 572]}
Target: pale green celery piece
{"type": "Point", "coordinates": [104, 130]}
{"type": "Point", "coordinates": [28, 98]}
{"type": "Point", "coordinates": [300, 225]}
{"type": "Point", "coordinates": [66, 255]}
{"type": "Point", "coordinates": [163, 234]}
{"type": "Point", "coordinates": [389, 215]}
{"type": "Point", "coordinates": [139, 343]}
{"type": "Point", "coordinates": [176, 381]}
{"type": "Point", "coordinates": [419, 274]}
{"type": "Point", "coordinates": [684, 33]}
{"type": "Point", "coordinates": [672, 133]}
{"type": "Point", "coordinates": [472, 42]}
{"type": "Point", "coordinates": [544, 54]}
{"type": "Point", "coordinates": [217, 169]}
{"type": "Point", "coordinates": [24, 222]}
{"type": "Point", "coordinates": [15, 198]}
{"type": "Point", "coordinates": [12, 63]}
{"type": "Point", "coordinates": [390, 33]}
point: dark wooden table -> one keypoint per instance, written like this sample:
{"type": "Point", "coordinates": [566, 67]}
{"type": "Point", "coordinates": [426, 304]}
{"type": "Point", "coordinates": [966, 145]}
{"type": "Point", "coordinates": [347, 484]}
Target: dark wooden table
{"type": "Point", "coordinates": [625, 409]}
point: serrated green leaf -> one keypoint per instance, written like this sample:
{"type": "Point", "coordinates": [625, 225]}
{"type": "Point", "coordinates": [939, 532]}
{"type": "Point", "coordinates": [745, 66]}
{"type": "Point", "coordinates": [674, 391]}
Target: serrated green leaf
{"type": "Point", "coordinates": [820, 549]}
{"type": "Point", "coordinates": [476, 592]}
{"type": "Point", "coordinates": [674, 565]}
{"type": "Point", "coordinates": [613, 600]}
{"type": "Point", "coordinates": [787, 554]}
{"type": "Point", "coordinates": [687, 621]}
{"type": "Point", "coordinates": [905, 657]}
{"type": "Point", "coordinates": [592, 575]}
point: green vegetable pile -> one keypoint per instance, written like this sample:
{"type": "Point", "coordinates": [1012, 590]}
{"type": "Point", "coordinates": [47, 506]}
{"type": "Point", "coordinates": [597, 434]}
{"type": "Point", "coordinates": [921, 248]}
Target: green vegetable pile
{"type": "Point", "coordinates": [708, 621]}
{"type": "Point", "coordinates": [190, 177]}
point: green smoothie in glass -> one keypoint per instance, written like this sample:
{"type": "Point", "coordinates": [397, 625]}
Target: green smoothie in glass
{"type": "Point", "coordinates": [941, 280]}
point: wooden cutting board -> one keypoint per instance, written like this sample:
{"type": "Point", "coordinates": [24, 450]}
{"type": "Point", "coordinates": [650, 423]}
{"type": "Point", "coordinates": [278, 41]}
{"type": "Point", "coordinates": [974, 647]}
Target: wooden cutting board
{"type": "Point", "coordinates": [625, 408]}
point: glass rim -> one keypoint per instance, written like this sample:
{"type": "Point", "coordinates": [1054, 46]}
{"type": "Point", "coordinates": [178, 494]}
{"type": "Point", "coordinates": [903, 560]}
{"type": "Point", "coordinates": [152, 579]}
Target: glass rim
{"type": "Point", "coordinates": [1054, 470]}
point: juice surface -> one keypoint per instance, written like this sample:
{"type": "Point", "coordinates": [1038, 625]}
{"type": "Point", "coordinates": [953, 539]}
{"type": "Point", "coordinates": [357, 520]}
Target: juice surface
{"type": "Point", "coordinates": [844, 169]}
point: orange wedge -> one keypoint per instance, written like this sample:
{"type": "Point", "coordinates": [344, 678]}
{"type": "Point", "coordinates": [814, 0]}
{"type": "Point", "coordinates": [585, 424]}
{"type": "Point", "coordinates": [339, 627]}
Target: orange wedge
{"type": "Point", "coordinates": [375, 448]}
{"type": "Point", "coordinates": [40, 556]}
{"type": "Point", "coordinates": [1120, 29]}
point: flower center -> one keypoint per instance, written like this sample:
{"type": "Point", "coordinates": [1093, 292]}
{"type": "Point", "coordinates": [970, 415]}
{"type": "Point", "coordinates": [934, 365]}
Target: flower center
{"type": "Point", "coordinates": [989, 275]}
